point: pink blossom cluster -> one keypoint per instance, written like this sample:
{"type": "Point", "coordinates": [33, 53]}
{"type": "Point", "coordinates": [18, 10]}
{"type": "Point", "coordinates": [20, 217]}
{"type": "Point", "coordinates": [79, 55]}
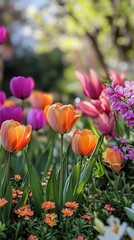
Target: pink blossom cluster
{"type": "Point", "coordinates": [126, 151]}
{"type": "Point", "coordinates": [122, 101]}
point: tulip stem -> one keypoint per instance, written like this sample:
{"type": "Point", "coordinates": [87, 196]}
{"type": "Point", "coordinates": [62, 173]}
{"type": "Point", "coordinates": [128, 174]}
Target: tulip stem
{"type": "Point", "coordinates": [61, 173]}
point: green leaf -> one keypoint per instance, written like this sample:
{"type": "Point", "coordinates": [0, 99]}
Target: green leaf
{"type": "Point", "coordinates": [44, 162]}
{"type": "Point", "coordinates": [71, 183]}
{"type": "Point", "coordinates": [130, 213]}
{"type": "Point", "coordinates": [3, 155]}
{"type": "Point", "coordinates": [87, 171]}
{"type": "Point", "coordinates": [2, 179]}
{"type": "Point", "coordinates": [36, 187]}
{"type": "Point", "coordinates": [8, 206]}
{"type": "Point", "coordinates": [52, 189]}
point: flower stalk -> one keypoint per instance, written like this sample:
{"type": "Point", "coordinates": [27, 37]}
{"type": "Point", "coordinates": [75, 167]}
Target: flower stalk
{"type": "Point", "coordinates": [61, 173]}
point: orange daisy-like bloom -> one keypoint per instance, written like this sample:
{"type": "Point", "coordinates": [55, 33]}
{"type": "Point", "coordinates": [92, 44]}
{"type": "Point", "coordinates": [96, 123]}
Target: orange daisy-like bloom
{"type": "Point", "coordinates": [72, 205]}
{"type": "Point", "coordinates": [61, 117]}
{"type": "Point", "coordinates": [113, 159]}
{"type": "Point", "coordinates": [14, 201]}
{"type": "Point", "coordinates": [14, 136]}
{"type": "Point", "coordinates": [32, 237]}
{"type": "Point", "coordinates": [17, 177]}
{"type": "Point", "coordinates": [67, 212]}
{"type": "Point", "coordinates": [16, 193]}
{"type": "Point", "coordinates": [25, 212]}
{"type": "Point", "coordinates": [3, 201]}
{"type": "Point", "coordinates": [86, 217]}
{"type": "Point", "coordinates": [83, 142]}
{"type": "Point", "coordinates": [40, 99]}
{"type": "Point", "coordinates": [50, 219]}
{"type": "Point", "coordinates": [48, 205]}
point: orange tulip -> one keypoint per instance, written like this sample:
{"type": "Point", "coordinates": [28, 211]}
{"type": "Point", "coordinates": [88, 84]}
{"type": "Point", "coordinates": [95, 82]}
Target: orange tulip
{"type": "Point", "coordinates": [15, 136]}
{"type": "Point", "coordinates": [83, 142]}
{"type": "Point", "coordinates": [61, 117]}
{"type": "Point", "coordinates": [113, 159]}
{"type": "Point", "coordinates": [40, 100]}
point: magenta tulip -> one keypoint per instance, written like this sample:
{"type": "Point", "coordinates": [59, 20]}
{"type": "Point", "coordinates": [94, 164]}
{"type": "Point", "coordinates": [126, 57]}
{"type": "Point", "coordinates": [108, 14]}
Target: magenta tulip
{"type": "Point", "coordinates": [105, 124]}
{"type": "Point", "coordinates": [2, 97]}
{"type": "Point", "coordinates": [36, 119]}
{"type": "Point", "coordinates": [3, 33]}
{"type": "Point", "coordinates": [21, 87]}
{"type": "Point", "coordinates": [92, 87]}
{"type": "Point", "coordinates": [7, 113]}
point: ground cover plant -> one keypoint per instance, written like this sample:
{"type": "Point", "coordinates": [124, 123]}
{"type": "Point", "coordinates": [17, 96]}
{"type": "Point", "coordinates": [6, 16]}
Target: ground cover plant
{"type": "Point", "coordinates": [67, 170]}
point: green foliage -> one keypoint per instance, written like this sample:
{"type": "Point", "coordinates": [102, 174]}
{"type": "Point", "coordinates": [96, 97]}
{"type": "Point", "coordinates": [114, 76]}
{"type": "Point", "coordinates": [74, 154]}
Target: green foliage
{"type": "Point", "coordinates": [35, 186]}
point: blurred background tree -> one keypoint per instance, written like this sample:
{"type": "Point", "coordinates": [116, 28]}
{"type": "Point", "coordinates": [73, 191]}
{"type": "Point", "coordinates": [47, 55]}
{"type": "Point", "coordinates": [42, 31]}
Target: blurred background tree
{"type": "Point", "coordinates": [49, 40]}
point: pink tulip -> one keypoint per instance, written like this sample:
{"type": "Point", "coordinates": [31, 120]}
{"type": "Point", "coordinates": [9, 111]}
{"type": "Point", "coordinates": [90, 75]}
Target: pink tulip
{"type": "Point", "coordinates": [91, 109]}
{"type": "Point", "coordinates": [105, 124]}
{"type": "Point", "coordinates": [117, 78]}
{"type": "Point", "coordinates": [92, 87]}
{"type": "Point", "coordinates": [3, 33]}
{"type": "Point", "coordinates": [105, 104]}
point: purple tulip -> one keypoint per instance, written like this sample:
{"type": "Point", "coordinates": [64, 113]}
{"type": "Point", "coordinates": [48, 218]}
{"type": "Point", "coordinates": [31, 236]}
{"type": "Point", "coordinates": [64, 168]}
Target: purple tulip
{"type": "Point", "coordinates": [36, 119]}
{"type": "Point", "coordinates": [7, 113]}
{"type": "Point", "coordinates": [21, 87]}
{"type": "Point", "coordinates": [92, 87]}
{"type": "Point", "coordinates": [2, 97]}
{"type": "Point", "coordinates": [3, 33]}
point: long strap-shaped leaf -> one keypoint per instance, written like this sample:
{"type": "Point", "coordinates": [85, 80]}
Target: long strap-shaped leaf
{"type": "Point", "coordinates": [68, 193]}
{"type": "Point", "coordinates": [52, 189]}
{"type": "Point", "coordinates": [86, 173]}
{"type": "Point", "coordinates": [8, 206]}
{"type": "Point", "coordinates": [35, 186]}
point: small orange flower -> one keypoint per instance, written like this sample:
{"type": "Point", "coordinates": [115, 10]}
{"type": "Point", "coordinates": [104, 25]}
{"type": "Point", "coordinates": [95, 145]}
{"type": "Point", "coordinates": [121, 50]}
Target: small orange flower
{"type": "Point", "coordinates": [86, 217]}
{"type": "Point", "coordinates": [50, 219]}
{"type": "Point", "coordinates": [25, 212]}
{"type": "Point", "coordinates": [9, 103]}
{"type": "Point", "coordinates": [16, 193]}
{"type": "Point", "coordinates": [15, 136]}
{"type": "Point", "coordinates": [17, 177]}
{"type": "Point", "coordinates": [32, 237]}
{"type": "Point", "coordinates": [61, 117]}
{"type": "Point", "coordinates": [113, 159]}
{"type": "Point", "coordinates": [72, 205]}
{"type": "Point", "coordinates": [14, 201]}
{"type": "Point", "coordinates": [67, 212]}
{"type": "Point", "coordinates": [48, 205]}
{"type": "Point", "coordinates": [83, 142]}
{"type": "Point", "coordinates": [40, 99]}
{"type": "Point", "coordinates": [3, 201]}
